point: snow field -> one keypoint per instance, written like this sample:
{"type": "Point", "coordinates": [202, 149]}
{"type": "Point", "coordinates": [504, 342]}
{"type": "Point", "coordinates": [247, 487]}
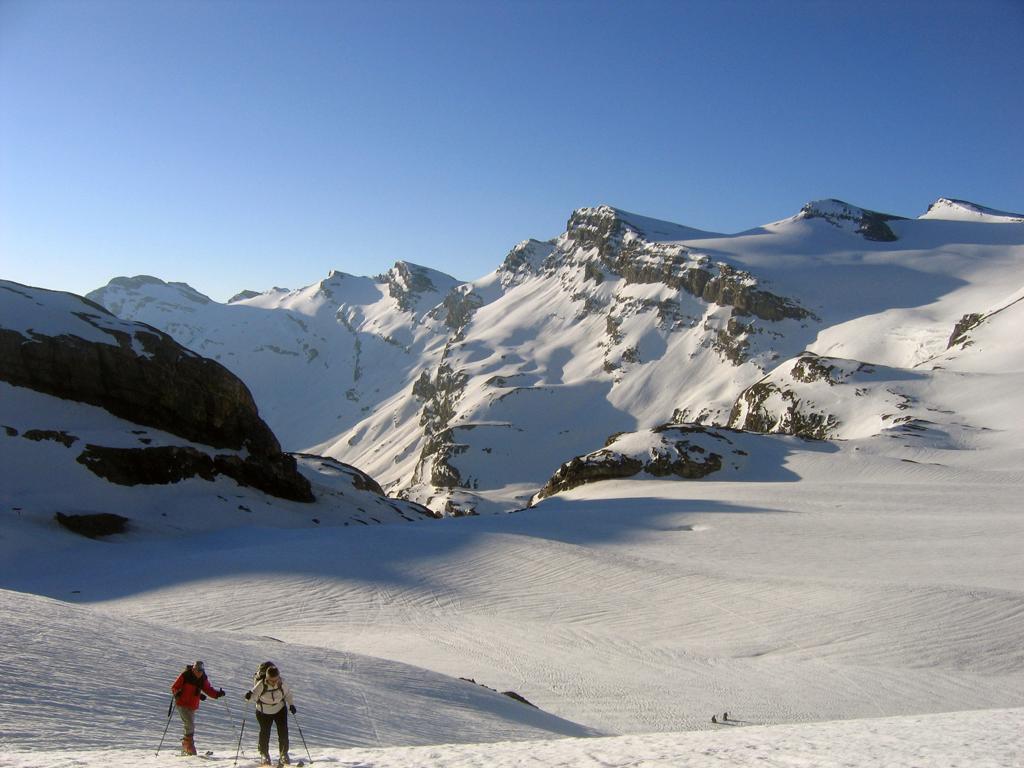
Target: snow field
{"type": "Point", "coordinates": [979, 739]}
{"type": "Point", "coordinates": [637, 606]}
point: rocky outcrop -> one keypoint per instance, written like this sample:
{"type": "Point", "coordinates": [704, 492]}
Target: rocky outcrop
{"type": "Point", "coordinates": [767, 407]}
{"type": "Point", "coordinates": [93, 526]}
{"type": "Point", "coordinates": [423, 388]}
{"type": "Point", "coordinates": [821, 398]}
{"type": "Point", "coordinates": [592, 468]}
{"type": "Point", "coordinates": [438, 412]}
{"type": "Point", "coordinates": [524, 261]}
{"type": "Point", "coordinates": [685, 451]}
{"type": "Point", "coordinates": [407, 283]}
{"type": "Point", "coordinates": [147, 466]}
{"type": "Point", "coordinates": [143, 376]}
{"type": "Point", "coordinates": [622, 250]}
{"type": "Point", "coordinates": [165, 386]}
{"type": "Point", "coordinates": [962, 327]}
{"type": "Point", "coordinates": [458, 309]}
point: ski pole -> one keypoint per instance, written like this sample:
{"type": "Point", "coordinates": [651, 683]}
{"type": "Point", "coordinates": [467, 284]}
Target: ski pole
{"type": "Point", "coordinates": [170, 709]}
{"type": "Point", "coordinates": [239, 749]}
{"type": "Point", "coordinates": [231, 717]}
{"type": "Point", "coordinates": [303, 738]}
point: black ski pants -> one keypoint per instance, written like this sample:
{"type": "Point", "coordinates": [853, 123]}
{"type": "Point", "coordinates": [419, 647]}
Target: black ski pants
{"type": "Point", "coordinates": [265, 721]}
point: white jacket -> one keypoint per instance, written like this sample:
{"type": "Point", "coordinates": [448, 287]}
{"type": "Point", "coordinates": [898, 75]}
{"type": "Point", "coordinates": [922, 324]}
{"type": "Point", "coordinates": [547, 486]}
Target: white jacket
{"type": "Point", "coordinates": [271, 700]}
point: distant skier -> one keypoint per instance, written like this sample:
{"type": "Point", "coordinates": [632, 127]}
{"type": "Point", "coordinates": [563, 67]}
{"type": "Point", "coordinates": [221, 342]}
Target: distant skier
{"type": "Point", "coordinates": [189, 688]}
{"type": "Point", "coordinates": [714, 718]}
{"type": "Point", "coordinates": [272, 694]}
{"type": "Point", "coordinates": [725, 717]}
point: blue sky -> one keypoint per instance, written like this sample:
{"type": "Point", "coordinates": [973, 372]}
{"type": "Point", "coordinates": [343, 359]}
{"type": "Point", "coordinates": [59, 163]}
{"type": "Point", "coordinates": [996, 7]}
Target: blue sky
{"type": "Point", "coordinates": [242, 145]}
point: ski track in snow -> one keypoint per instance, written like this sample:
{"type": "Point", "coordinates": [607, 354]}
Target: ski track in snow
{"type": "Point", "coordinates": [980, 739]}
{"type": "Point", "coordinates": [856, 598]}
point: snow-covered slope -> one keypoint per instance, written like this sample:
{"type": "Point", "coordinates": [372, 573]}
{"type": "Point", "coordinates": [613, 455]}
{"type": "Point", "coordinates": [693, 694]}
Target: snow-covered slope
{"type": "Point", "coordinates": [962, 210]}
{"type": "Point", "coordinates": [346, 343]}
{"type": "Point", "coordinates": [833, 582]}
{"type": "Point", "coordinates": [100, 417]}
{"type": "Point", "coordinates": [100, 680]}
{"type": "Point", "coordinates": [470, 396]}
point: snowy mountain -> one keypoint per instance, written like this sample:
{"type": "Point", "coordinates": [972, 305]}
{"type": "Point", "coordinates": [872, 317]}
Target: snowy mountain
{"type": "Point", "coordinates": [849, 600]}
{"type": "Point", "coordinates": [467, 397]}
{"type": "Point", "coordinates": [961, 210]}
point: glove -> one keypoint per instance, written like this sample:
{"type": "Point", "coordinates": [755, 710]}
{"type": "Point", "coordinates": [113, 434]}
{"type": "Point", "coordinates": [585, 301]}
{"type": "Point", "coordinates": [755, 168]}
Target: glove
{"type": "Point", "coordinates": [248, 695]}
{"type": "Point", "coordinates": [291, 709]}
{"type": "Point", "coordinates": [220, 693]}
{"type": "Point", "coordinates": [202, 697]}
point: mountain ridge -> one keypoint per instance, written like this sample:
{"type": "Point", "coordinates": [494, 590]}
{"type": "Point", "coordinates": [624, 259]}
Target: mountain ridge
{"type": "Point", "coordinates": [439, 388]}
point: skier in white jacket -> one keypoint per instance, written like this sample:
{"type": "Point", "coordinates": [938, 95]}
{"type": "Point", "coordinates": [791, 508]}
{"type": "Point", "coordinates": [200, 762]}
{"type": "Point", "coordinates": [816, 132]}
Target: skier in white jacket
{"type": "Point", "coordinates": [271, 695]}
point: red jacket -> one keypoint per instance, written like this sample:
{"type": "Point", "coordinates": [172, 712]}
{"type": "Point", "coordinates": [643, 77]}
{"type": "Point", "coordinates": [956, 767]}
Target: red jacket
{"type": "Point", "coordinates": [187, 686]}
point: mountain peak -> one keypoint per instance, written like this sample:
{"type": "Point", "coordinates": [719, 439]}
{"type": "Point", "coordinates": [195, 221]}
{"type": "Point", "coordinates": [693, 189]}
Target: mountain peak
{"type": "Point", "coordinates": [411, 285]}
{"type": "Point", "coordinates": [145, 288]}
{"type": "Point", "coordinates": [872, 225]}
{"type": "Point", "coordinates": [601, 222]}
{"type": "Point", "coordinates": [950, 209]}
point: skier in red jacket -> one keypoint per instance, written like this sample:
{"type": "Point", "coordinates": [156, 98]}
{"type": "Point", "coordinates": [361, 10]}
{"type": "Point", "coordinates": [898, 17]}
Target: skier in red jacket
{"type": "Point", "coordinates": [189, 689]}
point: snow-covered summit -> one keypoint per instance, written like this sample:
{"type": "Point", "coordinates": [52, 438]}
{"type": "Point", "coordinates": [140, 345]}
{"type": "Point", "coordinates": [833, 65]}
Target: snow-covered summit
{"type": "Point", "coordinates": [961, 210]}
{"type": "Point", "coordinates": [870, 224]}
{"type": "Point", "coordinates": [118, 294]}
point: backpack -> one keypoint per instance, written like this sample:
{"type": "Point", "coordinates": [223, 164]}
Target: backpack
{"type": "Point", "coordinates": [188, 677]}
{"type": "Point", "coordinates": [191, 677]}
{"type": "Point", "coordinates": [260, 674]}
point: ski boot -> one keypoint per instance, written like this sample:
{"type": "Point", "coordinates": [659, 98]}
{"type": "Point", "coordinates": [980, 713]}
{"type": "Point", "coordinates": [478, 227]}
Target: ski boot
{"type": "Point", "coordinates": [283, 759]}
{"type": "Point", "coordinates": [264, 758]}
{"type": "Point", "coordinates": [188, 746]}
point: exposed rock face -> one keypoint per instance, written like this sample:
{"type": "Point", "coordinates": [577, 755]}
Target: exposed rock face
{"type": "Point", "coordinates": [147, 466]}
{"type": "Point", "coordinates": [458, 308]}
{"type": "Point", "coordinates": [960, 330]}
{"type": "Point", "coordinates": [406, 283]}
{"type": "Point", "coordinates": [166, 386]}
{"type": "Point", "coordinates": [686, 451]}
{"type": "Point", "coordinates": [624, 252]}
{"type": "Point", "coordinates": [778, 403]}
{"type": "Point", "coordinates": [524, 260]}
{"type": "Point", "coordinates": [142, 375]}
{"type": "Point", "coordinates": [821, 398]}
{"type": "Point", "coordinates": [423, 388]}
{"type": "Point", "coordinates": [592, 468]}
{"type": "Point", "coordinates": [767, 407]}
{"type": "Point", "coordinates": [440, 444]}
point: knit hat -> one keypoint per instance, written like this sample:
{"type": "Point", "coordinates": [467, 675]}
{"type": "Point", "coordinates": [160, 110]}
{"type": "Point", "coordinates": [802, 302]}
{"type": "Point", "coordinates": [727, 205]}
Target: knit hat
{"type": "Point", "coordinates": [199, 667]}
